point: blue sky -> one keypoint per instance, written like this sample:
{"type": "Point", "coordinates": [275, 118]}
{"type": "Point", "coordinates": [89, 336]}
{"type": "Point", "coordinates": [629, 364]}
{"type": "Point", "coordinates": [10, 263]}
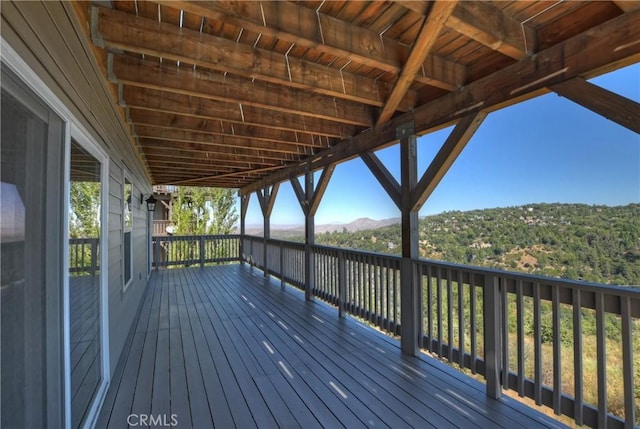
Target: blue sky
{"type": "Point", "coordinates": [547, 149]}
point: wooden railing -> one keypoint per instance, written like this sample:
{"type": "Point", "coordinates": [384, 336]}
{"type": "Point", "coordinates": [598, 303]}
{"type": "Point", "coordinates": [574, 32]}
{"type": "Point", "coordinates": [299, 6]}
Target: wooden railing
{"type": "Point", "coordinates": [83, 256]}
{"type": "Point", "coordinates": [521, 332]}
{"type": "Point", "coordinates": [160, 227]}
{"type": "Point", "coordinates": [195, 250]}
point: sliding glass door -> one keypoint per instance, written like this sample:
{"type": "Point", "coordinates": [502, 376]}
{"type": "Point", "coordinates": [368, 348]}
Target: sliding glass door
{"type": "Point", "coordinates": [54, 365]}
{"type": "Point", "coordinates": [31, 233]}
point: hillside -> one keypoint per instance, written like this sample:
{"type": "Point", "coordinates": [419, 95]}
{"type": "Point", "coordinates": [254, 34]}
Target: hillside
{"type": "Point", "coordinates": [577, 241]}
{"type": "Point", "coordinates": [296, 232]}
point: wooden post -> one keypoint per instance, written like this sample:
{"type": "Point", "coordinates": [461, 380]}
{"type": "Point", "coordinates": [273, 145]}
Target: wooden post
{"type": "Point", "coordinates": [309, 238]}
{"type": "Point", "coordinates": [409, 290]}
{"type": "Point", "coordinates": [492, 335]}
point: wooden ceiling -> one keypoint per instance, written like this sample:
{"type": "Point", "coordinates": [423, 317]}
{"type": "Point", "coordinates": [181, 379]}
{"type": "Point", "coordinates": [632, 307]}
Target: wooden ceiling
{"type": "Point", "coordinates": [232, 93]}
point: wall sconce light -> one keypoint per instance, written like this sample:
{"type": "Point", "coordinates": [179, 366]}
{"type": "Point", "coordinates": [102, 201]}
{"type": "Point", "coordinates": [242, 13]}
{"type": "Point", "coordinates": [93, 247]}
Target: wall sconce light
{"type": "Point", "coordinates": [151, 202]}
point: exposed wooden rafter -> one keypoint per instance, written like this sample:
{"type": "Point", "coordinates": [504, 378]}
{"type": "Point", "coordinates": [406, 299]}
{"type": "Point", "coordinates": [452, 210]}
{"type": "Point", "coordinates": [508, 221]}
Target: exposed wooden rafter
{"type": "Point", "coordinates": [309, 28]}
{"type": "Point", "coordinates": [123, 31]}
{"type": "Point", "coordinates": [219, 127]}
{"type": "Point", "coordinates": [216, 86]}
{"type": "Point", "coordinates": [200, 107]}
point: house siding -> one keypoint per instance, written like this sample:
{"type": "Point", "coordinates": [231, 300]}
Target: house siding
{"type": "Point", "coordinates": [49, 39]}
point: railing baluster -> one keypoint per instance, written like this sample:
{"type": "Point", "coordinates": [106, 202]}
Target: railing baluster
{"type": "Point", "coordinates": [439, 310]}
{"type": "Point", "coordinates": [520, 335]}
{"type": "Point", "coordinates": [537, 339]}
{"type": "Point", "coordinates": [504, 307]}
{"type": "Point", "coordinates": [474, 326]}
{"type": "Point", "coordinates": [557, 353]}
{"type": "Point", "coordinates": [577, 357]}
{"type": "Point", "coordinates": [427, 269]}
{"type": "Point", "coordinates": [395, 300]}
{"type": "Point", "coordinates": [460, 319]}
{"type": "Point", "coordinates": [601, 347]}
{"type": "Point", "coordinates": [627, 362]}
{"type": "Point", "coordinates": [387, 295]}
{"type": "Point", "coordinates": [281, 253]}
{"type": "Point", "coordinates": [202, 251]}
{"type": "Point", "coordinates": [450, 341]}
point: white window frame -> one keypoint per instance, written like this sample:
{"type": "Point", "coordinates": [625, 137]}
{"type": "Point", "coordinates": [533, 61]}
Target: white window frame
{"type": "Point", "coordinates": [73, 129]}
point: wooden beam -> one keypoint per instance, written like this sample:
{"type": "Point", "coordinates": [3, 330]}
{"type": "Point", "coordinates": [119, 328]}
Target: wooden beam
{"type": "Point", "coordinates": [305, 27]}
{"type": "Point", "coordinates": [124, 31]}
{"type": "Point", "coordinates": [300, 194]}
{"type": "Point", "coordinates": [612, 106]}
{"type": "Point", "coordinates": [427, 37]}
{"type": "Point", "coordinates": [445, 157]}
{"type": "Point", "coordinates": [223, 175]}
{"type": "Point", "coordinates": [163, 154]}
{"type": "Point", "coordinates": [223, 140]}
{"type": "Point", "coordinates": [215, 86]}
{"type": "Point", "coordinates": [321, 187]}
{"type": "Point", "coordinates": [383, 176]}
{"type": "Point", "coordinates": [162, 101]}
{"type": "Point", "coordinates": [156, 163]}
{"type": "Point", "coordinates": [490, 26]}
{"type": "Point", "coordinates": [627, 5]}
{"type": "Point", "coordinates": [219, 127]}
{"type": "Point", "coordinates": [244, 205]}
{"type": "Point", "coordinates": [270, 199]}
{"type": "Point", "coordinates": [260, 193]}
{"type": "Point", "coordinates": [205, 150]}
{"type": "Point", "coordinates": [611, 45]}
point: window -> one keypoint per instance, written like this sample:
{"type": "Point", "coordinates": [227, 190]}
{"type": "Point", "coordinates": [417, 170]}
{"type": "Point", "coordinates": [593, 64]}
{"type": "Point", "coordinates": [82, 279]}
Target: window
{"type": "Point", "coordinates": [127, 227]}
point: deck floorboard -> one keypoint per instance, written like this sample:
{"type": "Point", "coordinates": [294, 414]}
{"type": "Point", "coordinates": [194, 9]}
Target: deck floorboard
{"type": "Point", "coordinates": [225, 347]}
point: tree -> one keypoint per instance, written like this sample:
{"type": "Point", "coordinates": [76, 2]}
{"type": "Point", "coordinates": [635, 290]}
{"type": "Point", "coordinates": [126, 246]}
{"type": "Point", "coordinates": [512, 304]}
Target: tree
{"type": "Point", "coordinates": [204, 211]}
{"type": "Point", "coordinates": [84, 209]}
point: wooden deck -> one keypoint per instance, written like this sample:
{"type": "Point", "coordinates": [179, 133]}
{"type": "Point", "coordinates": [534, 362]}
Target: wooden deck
{"type": "Point", "coordinates": [225, 347]}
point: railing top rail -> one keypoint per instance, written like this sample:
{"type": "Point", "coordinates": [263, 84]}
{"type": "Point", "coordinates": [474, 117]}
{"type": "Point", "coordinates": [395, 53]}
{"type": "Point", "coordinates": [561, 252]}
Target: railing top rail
{"type": "Point", "coordinates": [359, 252]}
{"type": "Point", "coordinates": [194, 237]}
{"type": "Point", "coordinates": [631, 291]}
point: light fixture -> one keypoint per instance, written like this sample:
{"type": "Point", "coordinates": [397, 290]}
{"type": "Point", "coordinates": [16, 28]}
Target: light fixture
{"type": "Point", "coordinates": [151, 202]}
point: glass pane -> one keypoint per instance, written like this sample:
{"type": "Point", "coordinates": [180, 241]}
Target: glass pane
{"type": "Point", "coordinates": [84, 281]}
{"type": "Point", "coordinates": [128, 222]}
{"type": "Point", "coordinates": [30, 291]}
